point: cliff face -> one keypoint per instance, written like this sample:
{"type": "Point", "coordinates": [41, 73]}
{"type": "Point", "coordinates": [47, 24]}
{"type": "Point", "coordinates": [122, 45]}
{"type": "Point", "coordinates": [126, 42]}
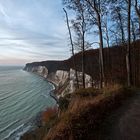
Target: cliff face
{"type": "Point", "coordinates": [64, 80]}
{"type": "Point", "coordinates": [40, 70]}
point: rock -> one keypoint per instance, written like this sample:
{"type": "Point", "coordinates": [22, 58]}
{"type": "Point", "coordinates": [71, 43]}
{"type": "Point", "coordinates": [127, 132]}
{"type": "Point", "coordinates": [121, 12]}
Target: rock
{"type": "Point", "coordinates": [65, 81]}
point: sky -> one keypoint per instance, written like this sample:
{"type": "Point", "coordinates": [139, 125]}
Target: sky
{"type": "Point", "coordinates": [32, 30]}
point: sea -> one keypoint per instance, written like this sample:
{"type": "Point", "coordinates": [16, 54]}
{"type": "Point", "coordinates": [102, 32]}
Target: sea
{"type": "Point", "coordinates": [23, 95]}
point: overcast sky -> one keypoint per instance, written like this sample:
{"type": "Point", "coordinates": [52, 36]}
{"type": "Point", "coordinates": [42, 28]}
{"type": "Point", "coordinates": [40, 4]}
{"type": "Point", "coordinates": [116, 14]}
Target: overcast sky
{"type": "Point", "coordinates": [32, 30]}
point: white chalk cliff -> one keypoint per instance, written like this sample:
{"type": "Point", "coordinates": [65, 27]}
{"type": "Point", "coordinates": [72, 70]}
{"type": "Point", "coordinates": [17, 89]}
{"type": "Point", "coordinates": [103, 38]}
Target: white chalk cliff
{"type": "Point", "coordinates": [64, 81]}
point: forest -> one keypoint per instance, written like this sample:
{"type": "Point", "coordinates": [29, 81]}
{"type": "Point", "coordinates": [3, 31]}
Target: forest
{"type": "Point", "coordinates": [113, 26]}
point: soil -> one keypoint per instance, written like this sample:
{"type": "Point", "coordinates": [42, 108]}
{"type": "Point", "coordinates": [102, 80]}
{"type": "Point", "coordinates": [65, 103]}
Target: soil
{"type": "Point", "coordinates": [124, 123]}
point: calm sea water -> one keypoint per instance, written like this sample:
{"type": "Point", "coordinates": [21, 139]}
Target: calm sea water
{"type": "Point", "coordinates": [22, 96]}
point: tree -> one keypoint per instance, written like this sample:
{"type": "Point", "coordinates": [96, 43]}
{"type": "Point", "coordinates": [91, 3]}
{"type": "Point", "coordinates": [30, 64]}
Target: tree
{"type": "Point", "coordinates": [80, 26]}
{"type": "Point", "coordinates": [118, 17]}
{"type": "Point", "coordinates": [72, 48]}
{"type": "Point", "coordinates": [128, 57]}
{"type": "Point", "coordinates": [96, 7]}
{"type": "Point", "coordinates": [106, 32]}
{"type": "Point", "coordinates": [133, 30]}
{"type": "Point", "coordinates": [137, 8]}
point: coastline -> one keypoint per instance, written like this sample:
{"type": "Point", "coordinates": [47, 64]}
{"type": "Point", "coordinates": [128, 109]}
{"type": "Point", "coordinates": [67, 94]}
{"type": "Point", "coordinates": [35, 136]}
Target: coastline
{"type": "Point", "coordinates": [37, 120]}
{"type": "Point", "coordinates": [52, 92]}
{"type": "Point", "coordinates": [54, 96]}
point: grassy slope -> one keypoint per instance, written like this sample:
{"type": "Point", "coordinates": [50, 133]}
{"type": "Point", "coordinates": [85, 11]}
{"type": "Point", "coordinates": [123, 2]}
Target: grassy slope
{"type": "Point", "coordinates": [86, 111]}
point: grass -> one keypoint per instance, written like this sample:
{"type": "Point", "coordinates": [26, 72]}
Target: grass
{"type": "Point", "coordinates": [86, 111]}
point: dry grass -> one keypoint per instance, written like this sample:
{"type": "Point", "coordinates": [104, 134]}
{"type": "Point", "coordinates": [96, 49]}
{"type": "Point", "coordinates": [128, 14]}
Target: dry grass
{"type": "Point", "coordinates": [84, 115]}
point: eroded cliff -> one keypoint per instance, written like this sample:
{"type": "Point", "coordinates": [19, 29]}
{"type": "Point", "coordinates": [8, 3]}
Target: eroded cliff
{"type": "Point", "coordinates": [64, 80]}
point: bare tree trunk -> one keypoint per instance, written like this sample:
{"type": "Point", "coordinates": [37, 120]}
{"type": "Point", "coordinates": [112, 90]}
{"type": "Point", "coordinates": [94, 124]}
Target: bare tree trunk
{"type": "Point", "coordinates": [107, 39]}
{"type": "Point", "coordinates": [108, 60]}
{"type": "Point", "coordinates": [134, 54]}
{"type": "Point", "coordinates": [106, 33]}
{"type": "Point", "coordinates": [72, 48]}
{"type": "Point", "coordinates": [83, 65]}
{"type": "Point", "coordinates": [121, 28]}
{"type": "Point", "coordinates": [83, 50]}
{"type": "Point", "coordinates": [128, 65]}
{"type": "Point", "coordinates": [133, 31]}
{"type": "Point", "coordinates": [95, 7]}
{"type": "Point", "coordinates": [137, 9]}
{"type": "Point", "coordinates": [102, 76]}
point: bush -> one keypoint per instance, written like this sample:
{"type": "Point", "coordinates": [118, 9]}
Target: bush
{"type": "Point", "coordinates": [63, 103]}
{"type": "Point", "coordinates": [49, 115]}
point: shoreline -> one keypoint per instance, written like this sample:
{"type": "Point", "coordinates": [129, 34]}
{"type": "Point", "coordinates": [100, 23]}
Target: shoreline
{"type": "Point", "coordinates": [54, 96]}
{"type": "Point", "coordinates": [52, 92]}
{"type": "Point", "coordinates": [37, 118]}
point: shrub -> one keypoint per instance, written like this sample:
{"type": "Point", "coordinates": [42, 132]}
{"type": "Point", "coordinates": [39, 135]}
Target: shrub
{"type": "Point", "coordinates": [63, 103]}
{"type": "Point", "coordinates": [49, 115]}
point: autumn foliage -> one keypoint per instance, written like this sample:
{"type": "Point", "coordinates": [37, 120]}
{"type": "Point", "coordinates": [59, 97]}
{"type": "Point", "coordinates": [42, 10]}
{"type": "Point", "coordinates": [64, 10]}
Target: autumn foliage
{"type": "Point", "coordinates": [49, 114]}
{"type": "Point", "coordinates": [84, 115]}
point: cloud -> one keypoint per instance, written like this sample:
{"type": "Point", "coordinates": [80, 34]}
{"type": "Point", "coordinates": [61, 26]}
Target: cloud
{"type": "Point", "coordinates": [3, 12]}
{"type": "Point", "coordinates": [32, 31]}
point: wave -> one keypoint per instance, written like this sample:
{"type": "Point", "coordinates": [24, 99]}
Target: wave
{"type": "Point", "coordinates": [44, 95]}
{"type": "Point", "coordinates": [8, 126]}
{"type": "Point", "coordinates": [10, 105]}
{"type": "Point", "coordinates": [11, 94]}
{"type": "Point", "coordinates": [21, 99]}
{"type": "Point", "coordinates": [22, 132]}
{"type": "Point", "coordinates": [13, 131]}
{"type": "Point", "coordinates": [18, 132]}
{"type": "Point", "coordinates": [26, 108]}
{"type": "Point", "coordinates": [53, 85]}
